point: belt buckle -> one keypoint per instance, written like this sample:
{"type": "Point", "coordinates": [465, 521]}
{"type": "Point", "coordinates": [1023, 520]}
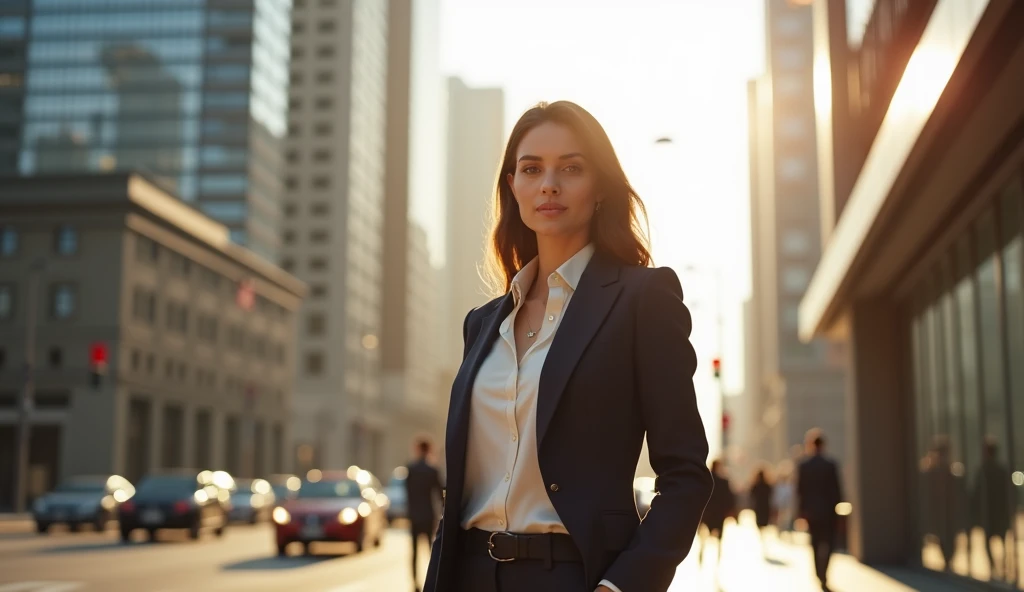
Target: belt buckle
{"type": "Point", "coordinates": [490, 546]}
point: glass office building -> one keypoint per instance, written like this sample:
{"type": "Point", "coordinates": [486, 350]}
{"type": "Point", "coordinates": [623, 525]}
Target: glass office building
{"type": "Point", "coordinates": [968, 355]}
{"type": "Point", "coordinates": [192, 92]}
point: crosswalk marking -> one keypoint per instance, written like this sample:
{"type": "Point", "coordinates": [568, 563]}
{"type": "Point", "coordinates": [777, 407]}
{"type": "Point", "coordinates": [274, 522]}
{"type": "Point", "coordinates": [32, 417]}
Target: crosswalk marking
{"type": "Point", "coordinates": [40, 587]}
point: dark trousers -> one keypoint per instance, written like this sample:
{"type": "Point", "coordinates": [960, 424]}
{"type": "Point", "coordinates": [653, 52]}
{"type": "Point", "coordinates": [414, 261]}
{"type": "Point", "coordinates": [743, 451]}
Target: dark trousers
{"type": "Point", "coordinates": [476, 572]}
{"type": "Point", "coordinates": [823, 543]}
{"type": "Point", "coordinates": [420, 530]}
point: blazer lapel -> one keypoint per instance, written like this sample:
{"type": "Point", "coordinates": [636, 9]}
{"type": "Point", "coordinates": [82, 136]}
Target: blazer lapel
{"type": "Point", "coordinates": [462, 388]}
{"type": "Point", "coordinates": [597, 291]}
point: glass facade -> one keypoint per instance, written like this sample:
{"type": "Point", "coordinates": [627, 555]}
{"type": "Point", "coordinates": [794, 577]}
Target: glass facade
{"type": "Point", "coordinates": [967, 332]}
{"type": "Point", "coordinates": [192, 92]}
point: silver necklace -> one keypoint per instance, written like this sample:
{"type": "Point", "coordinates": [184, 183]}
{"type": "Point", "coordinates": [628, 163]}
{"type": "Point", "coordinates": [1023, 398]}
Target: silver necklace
{"type": "Point", "coordinates": [530, 333]}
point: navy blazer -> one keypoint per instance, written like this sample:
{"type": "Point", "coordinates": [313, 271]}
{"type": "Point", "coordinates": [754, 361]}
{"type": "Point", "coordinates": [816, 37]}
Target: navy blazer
{"type": "Point", "coordinates": [621, 365]}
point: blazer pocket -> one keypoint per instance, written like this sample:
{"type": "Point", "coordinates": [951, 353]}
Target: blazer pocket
{"type": "Point", "coordinates": [618, 528]}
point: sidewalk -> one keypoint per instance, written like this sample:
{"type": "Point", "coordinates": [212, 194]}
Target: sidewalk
{"type": "Point", "coordinates": [789, 568]}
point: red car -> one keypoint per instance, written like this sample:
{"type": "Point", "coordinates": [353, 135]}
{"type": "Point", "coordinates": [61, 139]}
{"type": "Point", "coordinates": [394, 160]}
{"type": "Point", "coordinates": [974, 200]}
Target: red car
{"type": "Point", "coordinates": [333, 508]}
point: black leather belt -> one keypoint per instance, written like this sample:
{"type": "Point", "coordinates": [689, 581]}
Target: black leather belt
{"type": "Point", "coordinates": [505, 546]}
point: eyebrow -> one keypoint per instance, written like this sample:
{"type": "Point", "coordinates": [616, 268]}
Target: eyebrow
{"type": "Point", "coordinates": [562, 157]}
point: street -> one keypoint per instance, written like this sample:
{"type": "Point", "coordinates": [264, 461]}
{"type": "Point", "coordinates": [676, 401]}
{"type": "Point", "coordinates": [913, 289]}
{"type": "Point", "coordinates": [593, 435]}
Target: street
{"type": "Point", "coordinates": [244, 560]}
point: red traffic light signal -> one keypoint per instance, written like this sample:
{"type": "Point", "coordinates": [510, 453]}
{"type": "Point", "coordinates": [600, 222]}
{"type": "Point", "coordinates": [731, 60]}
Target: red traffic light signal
{"type": "Point", "coordinates": [98, 354]}
{"type": "Point", "coordinates": [725, 421]}
{"type": "Point", "coordinates": [716, 364]}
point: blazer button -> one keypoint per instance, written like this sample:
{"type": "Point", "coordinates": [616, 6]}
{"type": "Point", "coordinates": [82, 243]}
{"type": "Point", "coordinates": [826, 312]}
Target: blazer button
{"type": "Point", "coordinates": [554, 487]}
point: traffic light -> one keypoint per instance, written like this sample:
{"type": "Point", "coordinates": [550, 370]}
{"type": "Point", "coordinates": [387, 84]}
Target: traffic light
{"type": "Point", "coordinates": [716, 365]}
{"type": "Point", "coordinates": [725, 421]}
{"type": "Point", "coordinates": [97, 363]}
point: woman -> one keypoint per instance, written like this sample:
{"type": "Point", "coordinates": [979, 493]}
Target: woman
{"type": "Point", "coordinates": [761, 500]}
{"type": "Point", "coordinates": [586, 351]}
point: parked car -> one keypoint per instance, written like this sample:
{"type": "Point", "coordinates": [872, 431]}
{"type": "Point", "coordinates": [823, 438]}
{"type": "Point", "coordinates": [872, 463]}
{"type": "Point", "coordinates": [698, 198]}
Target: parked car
{"type": "Point", "coordinates": [82, 500]}
{"type": "Point", "coordinates": [180, 500]}
{"type": "Point", "coordinates": [398, 508]}
{"type": "Point", "coordinates": [333, 508]}
{"type": "Point", "coordinates": [252, 501]}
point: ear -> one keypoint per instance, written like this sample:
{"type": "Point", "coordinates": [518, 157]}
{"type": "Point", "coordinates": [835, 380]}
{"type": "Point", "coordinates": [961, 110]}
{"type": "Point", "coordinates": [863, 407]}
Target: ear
{"type": "Point", "coordinates": [508, 179]}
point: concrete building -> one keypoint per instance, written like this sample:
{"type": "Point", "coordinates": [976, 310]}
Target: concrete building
{"type": "Point", "coordinates": [196, 376]}
{"type": "Point", "coordinates": [194, 92]}
{"type": "Point", "coordinates": [476, 141]}
{"type": "Point", "coordinates": [794, 386]}
{"type": "Point", "coordinates": [922, 120]}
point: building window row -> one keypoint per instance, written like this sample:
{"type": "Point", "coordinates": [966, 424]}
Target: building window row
{"type": "Point", "coordinates": [65, 240]}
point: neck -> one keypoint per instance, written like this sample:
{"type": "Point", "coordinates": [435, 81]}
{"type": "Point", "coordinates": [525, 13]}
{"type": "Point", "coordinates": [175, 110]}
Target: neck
{"type": "Point", "coordinates": [552, 253]}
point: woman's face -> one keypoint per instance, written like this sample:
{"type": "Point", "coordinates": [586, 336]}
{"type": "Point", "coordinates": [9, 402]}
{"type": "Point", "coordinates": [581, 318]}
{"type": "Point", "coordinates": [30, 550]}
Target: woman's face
{"type": "Point", "coordinates": [554, 183]}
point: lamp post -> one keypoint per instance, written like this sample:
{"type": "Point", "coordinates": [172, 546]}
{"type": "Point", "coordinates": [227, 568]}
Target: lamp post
{"type": "Point", "coordinates": [28, 392]}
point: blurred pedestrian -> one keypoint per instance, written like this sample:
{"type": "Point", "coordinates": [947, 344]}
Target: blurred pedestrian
{"type": "Point", "coordinates": [783, 498]}
{"type": "Point", "coordinates": [819, 492]}
{"type": "Point", "coordinates": [991, 503]}
{"type": "Point", "coordinates": [722, 505]}
{"type": "Point", "coordinates": [761, 501]}
{"type": "Point", "coordinates": [587, 350]}
{"type": "Point", "coordinates": [423, 493]}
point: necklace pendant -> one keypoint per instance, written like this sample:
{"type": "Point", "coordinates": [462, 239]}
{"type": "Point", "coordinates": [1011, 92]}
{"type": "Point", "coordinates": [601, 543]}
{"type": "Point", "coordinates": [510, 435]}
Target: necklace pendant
{"type": "Point", "coordinates": [531, 334]}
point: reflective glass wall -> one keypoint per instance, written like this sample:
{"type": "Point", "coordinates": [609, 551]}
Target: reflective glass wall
{"type": "Point", "coordinates": [968, 353]}
{"type": "Point", "coordinates": [176, 88]}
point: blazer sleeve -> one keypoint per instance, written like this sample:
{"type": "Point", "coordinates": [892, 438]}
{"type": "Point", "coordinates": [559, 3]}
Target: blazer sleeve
{"type": "Point", "coordinates": [435, 550]}
{"type": "Point", "coordinates": [665, 363]}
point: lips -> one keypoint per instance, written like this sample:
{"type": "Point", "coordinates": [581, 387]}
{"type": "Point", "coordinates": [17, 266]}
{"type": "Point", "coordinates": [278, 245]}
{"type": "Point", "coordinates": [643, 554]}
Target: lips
{"type": "Point", "coordinates": [550, 207]}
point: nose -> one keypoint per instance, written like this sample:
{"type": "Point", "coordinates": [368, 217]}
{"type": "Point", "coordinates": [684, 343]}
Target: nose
{"type": "Point", "coordinates": [550, 185]}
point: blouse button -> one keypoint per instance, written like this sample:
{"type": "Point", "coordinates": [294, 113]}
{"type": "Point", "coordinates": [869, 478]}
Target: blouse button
{"type": "Point", "coordinates": [554, 487]}
{"type": "Point", "coordinates": [551, 317]}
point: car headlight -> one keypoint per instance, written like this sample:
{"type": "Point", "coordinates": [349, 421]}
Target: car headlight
{"type": "Point", "coordinates": [281, 516]}
{"type": "Point", "coordinates": [348, 516]}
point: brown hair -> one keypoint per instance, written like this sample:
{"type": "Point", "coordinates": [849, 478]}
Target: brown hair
{"type": "Point", "coordinates": [616, 231]}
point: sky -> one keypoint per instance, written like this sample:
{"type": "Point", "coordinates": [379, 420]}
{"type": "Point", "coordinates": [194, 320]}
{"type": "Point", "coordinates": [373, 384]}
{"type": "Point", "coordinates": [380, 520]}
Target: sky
{"type": "Point", "coordinates": [646, 69]}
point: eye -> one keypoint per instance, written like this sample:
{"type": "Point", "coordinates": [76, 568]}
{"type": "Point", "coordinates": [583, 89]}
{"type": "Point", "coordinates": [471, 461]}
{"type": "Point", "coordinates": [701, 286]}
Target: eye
{"type": "Point", "coordinates": [530, 169]}
{"type": "Point", "coordinates": [573, 168]}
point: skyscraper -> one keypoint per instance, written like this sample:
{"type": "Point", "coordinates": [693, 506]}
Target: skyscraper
{"type": "Point", "coordinates": [193, 92]}
{"type": "Point", "coordinates": [476, 135]}
{"type": "Point", "coordinates": [795, 386]}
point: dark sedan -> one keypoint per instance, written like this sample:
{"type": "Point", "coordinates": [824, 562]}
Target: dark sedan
{"type": "Point", "coordinates": [184, 500]}
{"type": "Point", "coordinates": [92, 500]}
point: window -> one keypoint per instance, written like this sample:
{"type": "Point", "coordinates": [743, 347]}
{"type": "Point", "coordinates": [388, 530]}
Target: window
{"type": "Point", "coordinates": [56, 357]}
{"type": "Point", "coordinates": [179, 265]}
{"type": "Point", "coordinates": [315, 323]}
{"type": "Point", "coordinates": [207, 328]}
{"type": "Point", "coordinates": [65, 240]}
{"type": "Point", "coordinates": [209, 278]}
{"type": "Point", "coordinates": [8, 241]}
{"type": "Point", "coordinates": [291, 182]}
{"type": "Point", "coordinates": [296, 77]}
{"type": "Point", "coordinates": [793, 126]}
{"type": "Point", "coordinates": [793, 168]}
{"type": "Point", "coordinates": [789, 25]}
{"type": "Point", "coordinates": [298, 53]}
{"type": "Point", "coordinates": [288, 264]}
{"type": "Point", "coordinates": [795, 242]}
{"type": "Point", "coordinates": [326, 26]}
{"type": "Point", "coordinates": [789, 85]}
{"type": "Point", "coordinates": [292, 156]}
{"type": "Point", "coordinates": [322, 155]}
{"type": "Point", "coordinates": [792, 58]}
{"type": "Point", "coordinates": [323, 129]}
{"type": "Point", "coordinates": [318, 291]}
{"type": "Point", "coordinates": [177, 317]}
{"type": "Point", "coordinates": [150, 364]}
{"type": "Point", "coordinates": [795, 279]}
{"type": "Point", "coordinates": [290, 209]}
{"type": "Point", "coordinates": [146, 250]}
{"type": "Point", "coordinates": [136, 360]}
{"type": "Point", "coordinates": [322, 182]}
{"type": "Point", "coordinates": [6, 302]}
{"type": "Point", "coordinates": [324, 103]}
{"type": "Point", "coordinates": [314, 364]}
{"type": "Point", "coordinates": [319, 236]}
{"type": "Point", "coordinates": [325, 77]}
{"type": "Point", "coordinates": [288, 237]}
{"type": "Point", "coordinates": [325, 51]}
{"type": "Point", "coordinates": [320, 208]}
{"type": "Point", "coordinates": [318, 264]}
{"type": "Point", "coordinates": [169, 369]}
{"type": "Point", "coordinates": [64, 301]}
{"type": "Point", "coordinates": [144, 305]}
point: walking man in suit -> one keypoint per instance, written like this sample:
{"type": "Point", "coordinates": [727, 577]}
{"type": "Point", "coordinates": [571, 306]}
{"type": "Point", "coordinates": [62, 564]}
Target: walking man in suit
{"type": "Point", "coordinates": [422, 490]}
{"type": "Point", "coordinates": [819, 491]}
